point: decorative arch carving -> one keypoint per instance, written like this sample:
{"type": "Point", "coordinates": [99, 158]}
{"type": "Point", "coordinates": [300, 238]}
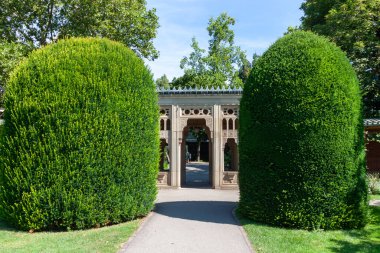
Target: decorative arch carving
{"type": "Point", "coordinates": [183, 123]}
{"type": "Point", "coordinates": [210, 124]}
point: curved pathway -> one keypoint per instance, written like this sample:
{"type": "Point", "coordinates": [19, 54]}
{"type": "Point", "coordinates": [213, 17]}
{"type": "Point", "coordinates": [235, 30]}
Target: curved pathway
{"type": "Point", "coordinates": [191, 220]}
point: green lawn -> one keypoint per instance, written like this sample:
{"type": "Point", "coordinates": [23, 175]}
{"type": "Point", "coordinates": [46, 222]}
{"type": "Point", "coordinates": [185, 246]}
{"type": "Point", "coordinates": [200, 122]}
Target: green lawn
{"type": "Point", "coordinates": [373, 197]}
{"type": "Point", "coordinates": [106, 239]}
{"type": "Point", "coordinates": [271, 239]}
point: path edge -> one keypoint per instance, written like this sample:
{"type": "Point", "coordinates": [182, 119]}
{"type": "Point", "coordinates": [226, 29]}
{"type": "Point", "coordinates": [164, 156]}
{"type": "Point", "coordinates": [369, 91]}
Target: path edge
{"type": "Point", "coordinates": [242, 231]}
{"type": "Point", "coordinates": [124, 246]}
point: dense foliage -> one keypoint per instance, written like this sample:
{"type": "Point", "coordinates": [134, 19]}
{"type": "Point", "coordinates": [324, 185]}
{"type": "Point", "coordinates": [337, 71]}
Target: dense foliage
{"type": "Point", "coordinates": [80, 146]}
{"type": "Point", "coordinates": [222, 65]}
{"type": "Point", "coordinates": [40, 22]}
{"type": "Point", "coordinates": [10, 55]}
{"type": "Point", "coordinates": [315, 12]}
{"type": "Point", "coordinates": [163, 82]}
{"type": "Point", "coordinates": [301, 138]}
{"type": "Point", "coordinates": [354, 25]}
{"type": "Point", "coordinates": [29, 24]}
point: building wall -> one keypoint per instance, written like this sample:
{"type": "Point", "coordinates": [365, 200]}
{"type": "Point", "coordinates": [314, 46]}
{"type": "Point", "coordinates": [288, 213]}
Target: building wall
{"type": "Point", "coordinates": [373, 152]}
{"type": "Point", "coordinates": [188, 110]}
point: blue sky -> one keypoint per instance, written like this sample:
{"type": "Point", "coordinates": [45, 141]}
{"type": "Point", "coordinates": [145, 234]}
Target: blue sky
{"type": "Point", "coordinates": [259, 23]}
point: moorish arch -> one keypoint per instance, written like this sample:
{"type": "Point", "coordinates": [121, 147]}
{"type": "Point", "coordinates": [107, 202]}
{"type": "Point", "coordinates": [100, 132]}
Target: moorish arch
{"type": "Point", "coordinates": [217, 111]}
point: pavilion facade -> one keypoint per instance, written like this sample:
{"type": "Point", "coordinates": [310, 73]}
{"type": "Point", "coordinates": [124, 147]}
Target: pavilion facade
{"type": "Point", "coordinates": [216, 111]}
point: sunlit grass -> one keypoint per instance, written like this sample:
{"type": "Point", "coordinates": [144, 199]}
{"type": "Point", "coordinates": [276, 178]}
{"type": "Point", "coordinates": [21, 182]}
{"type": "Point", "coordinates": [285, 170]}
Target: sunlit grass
{"type": "Point", "coordinates": [270, 239]}
{"type": "Point", "coordinates": [106, 239]}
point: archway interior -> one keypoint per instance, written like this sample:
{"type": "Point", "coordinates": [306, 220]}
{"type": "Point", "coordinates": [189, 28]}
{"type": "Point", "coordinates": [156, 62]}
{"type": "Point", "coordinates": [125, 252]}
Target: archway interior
{"type": "Point", "coordinates": [164, 156]}
{"type": "Point", "coordinates": [231, 160]}
{"type": "Point", "coordinates": [196, 147]}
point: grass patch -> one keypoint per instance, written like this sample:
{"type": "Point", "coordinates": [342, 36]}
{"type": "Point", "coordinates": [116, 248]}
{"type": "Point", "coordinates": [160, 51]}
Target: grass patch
{"type": "Point", "coordinates": [106, 239]}
{"type": "Point", "coordinates": [374, 197]}
{"type": "Point", "coordinates": [270, 239]}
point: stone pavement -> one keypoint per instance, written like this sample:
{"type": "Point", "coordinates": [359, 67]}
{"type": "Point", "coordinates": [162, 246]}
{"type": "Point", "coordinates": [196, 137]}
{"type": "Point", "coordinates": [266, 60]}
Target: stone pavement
{"type": "Point", "coordinates": [191, 220]}
{"type": "Point", "coordinates": [197, 174]}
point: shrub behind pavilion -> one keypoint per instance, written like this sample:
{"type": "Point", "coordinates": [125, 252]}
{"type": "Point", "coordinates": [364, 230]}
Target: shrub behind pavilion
{"type": "Point", "coordinates": [302, 160]}
{"type": "Point", "coordinates": [80, 145]}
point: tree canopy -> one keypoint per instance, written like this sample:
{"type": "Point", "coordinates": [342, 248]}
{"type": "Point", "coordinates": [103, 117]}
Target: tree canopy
{"type": "Point", "coordinates": [10, 54]}
{"type": "Point", "coordinates": [353, 25]}
{"type": "Point", "coordinates": [220, 65]}
{"type": "Point", "coordinates": [29, 24]}
{"type": "Point", "coordinates": [163, 82]}
{"type": "Point", "coordinates": [315, 12]}
{"type": "Point", "coordinates": [40, 22]}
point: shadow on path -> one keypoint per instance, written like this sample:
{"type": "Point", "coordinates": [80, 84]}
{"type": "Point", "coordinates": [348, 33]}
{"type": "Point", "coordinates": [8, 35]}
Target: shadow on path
{"type": "Point", "coordinates": [205, 211]}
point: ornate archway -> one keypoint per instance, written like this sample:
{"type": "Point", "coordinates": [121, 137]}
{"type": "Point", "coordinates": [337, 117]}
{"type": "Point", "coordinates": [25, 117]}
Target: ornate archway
{"type": "Point", "coordinates": [195, 123]}
{"type": "Point", "coordinates": [215, 109]}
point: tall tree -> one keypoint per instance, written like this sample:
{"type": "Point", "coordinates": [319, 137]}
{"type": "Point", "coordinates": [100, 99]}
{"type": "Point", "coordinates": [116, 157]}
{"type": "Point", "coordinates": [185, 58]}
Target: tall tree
{"type": "Point", "coordinates": [29, 24]}
{"type": "Point", "coordinates": [220, 66]}
{"type": "Point", "coordinates": [223, 56]}
{"type": "Point", "coordinates": [315, 12]}
{"type": "Point", "coordinates": [43, 21]}
{"type": "Point", "coordinates": [354, 25]}
{"type": "Point", "coordinates": [10, 54]}
{"type": "Point", "coordinates": [245, 70]}
{"type": "Point", "coordinates": [163, 82]}
{"type": "Point", "coordinates": [195, 63]}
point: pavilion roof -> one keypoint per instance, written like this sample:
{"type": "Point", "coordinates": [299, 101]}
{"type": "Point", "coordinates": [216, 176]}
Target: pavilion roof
{"type": "Point", "coordinates": [371, 122]}
{"type": "Point", "coordinates": [367, 122]}
{"type": "Point", "coordinates": [207, 90]}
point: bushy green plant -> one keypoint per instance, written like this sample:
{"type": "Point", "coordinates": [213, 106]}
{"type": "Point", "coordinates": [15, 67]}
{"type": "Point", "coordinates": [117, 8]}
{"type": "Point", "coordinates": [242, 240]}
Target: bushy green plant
{"type": "Point", "coordinates": [302, 159]}
{"type": "Point", "coordinates": [373, 183]}
{"type": "Point", "coordinates": [80, 146]}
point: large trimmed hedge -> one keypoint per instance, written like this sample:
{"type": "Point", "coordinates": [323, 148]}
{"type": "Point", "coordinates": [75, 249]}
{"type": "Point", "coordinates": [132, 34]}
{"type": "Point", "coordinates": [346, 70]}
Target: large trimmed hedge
{"type": "Point", "coordinates": [80, 146]}
{"type": "Point", "coordinates": [301, 138]}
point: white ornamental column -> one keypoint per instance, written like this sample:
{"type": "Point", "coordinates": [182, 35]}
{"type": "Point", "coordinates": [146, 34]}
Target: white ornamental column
{"type": "Point", "coordinates": [174, 152]}
{"type": "Point", "coordinates": [216, 147]}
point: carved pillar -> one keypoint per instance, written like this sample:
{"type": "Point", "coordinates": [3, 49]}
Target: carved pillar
{"type": "Point", "coordinates": [210, 125]}
{"type": "Point", "coordinates": [181, 178]}
{"type": "Point", "coordinates": [216, 147]}
{"type": "Point", "coordinates": [173, 146]}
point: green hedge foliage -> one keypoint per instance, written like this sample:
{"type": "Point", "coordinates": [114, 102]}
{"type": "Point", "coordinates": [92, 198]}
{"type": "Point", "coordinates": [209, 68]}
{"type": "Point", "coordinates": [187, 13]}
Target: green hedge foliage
{"type": "Point", "coordinates": [80, 146]}
{"type": "Point", "coordinates": [302, 159]}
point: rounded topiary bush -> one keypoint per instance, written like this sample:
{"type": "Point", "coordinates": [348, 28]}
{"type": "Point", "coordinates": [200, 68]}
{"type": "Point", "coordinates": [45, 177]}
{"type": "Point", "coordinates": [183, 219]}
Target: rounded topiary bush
{"type": "Point", "coordinates": [301, 138]}
{"type": "Point", "coordinates": [80, 146]}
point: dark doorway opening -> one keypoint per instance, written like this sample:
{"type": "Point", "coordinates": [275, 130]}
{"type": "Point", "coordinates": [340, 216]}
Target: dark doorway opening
{"type": "Point", "coordinates": [196, 171]}
{"type": "Point", "coordinates": [164, 156]}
